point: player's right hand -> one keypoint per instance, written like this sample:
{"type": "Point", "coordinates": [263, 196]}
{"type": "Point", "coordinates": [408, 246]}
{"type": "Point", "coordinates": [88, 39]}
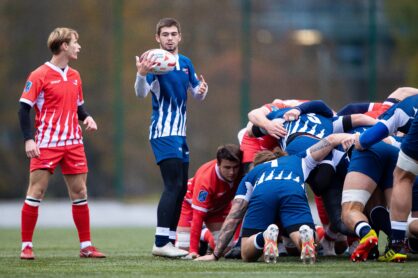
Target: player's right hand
{"type": "Point", "coordinates": [31, 149]}
{"type": "Point", "coordinates": [145, 63]}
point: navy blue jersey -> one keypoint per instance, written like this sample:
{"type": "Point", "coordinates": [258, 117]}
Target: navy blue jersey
{"type": "Point", "coordinates": [293, 168]}
{"type": "Point", "coordinates": [398, 118]}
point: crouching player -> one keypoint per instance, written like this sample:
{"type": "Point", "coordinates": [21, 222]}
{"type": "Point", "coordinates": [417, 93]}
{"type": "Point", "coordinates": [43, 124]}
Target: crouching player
{"type": "Point", "coordinates": [279, 196]}
{"type": "Point", "coordinates": [208, 199]}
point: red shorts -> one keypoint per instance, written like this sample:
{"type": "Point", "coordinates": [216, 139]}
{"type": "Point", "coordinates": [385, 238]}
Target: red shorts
{"type": "Point", "coordinates": [211, 217]}
{"type": "Point", "coordinates": [72, 160]}
{"type": "Point", "coordinates": [250, 146]}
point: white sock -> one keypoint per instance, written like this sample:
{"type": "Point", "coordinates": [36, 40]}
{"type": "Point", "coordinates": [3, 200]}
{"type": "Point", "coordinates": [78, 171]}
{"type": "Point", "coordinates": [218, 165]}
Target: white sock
{"type": "Point", "coordinates": [27, 243]}
{"type": "Point", "coordinates": [85, 244]}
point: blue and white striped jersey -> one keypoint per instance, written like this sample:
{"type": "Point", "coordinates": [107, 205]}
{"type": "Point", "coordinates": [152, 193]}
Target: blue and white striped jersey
{"type": "Point", "coordinates": [169, 97]}
{"type": "Point", "coordinates": [314, 124]}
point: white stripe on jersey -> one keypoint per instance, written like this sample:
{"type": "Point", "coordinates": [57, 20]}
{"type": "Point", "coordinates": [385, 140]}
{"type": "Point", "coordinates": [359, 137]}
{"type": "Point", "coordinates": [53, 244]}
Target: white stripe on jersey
{"type": "Point", "coordinates": [175, 129]}
{"type": "Point", "coordinates": [64, 133]}
{"type": "Point", "coordinates": [54, 139]}
{"type": "Point", "coordinates": [166, 128]}
{"type": "Point", "coordinates": [47, 135]}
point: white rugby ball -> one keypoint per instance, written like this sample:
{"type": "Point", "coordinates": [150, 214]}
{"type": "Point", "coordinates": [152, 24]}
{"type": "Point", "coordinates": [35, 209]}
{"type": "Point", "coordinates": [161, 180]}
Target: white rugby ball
{"type": "Point", "coordinates": [164, 61]}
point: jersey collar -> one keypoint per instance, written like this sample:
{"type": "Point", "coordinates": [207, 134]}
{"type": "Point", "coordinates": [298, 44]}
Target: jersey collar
{"type": "Point", "coordinates": [63, 73]}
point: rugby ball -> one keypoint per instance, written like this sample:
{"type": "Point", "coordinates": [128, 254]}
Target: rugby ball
{"type": "Point", "coordinates": [164, 60]}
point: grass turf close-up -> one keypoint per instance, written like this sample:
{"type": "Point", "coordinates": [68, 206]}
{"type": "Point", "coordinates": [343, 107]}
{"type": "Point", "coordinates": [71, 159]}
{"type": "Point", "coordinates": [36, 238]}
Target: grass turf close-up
{"type": "Point", "coordinates": [128, 253]}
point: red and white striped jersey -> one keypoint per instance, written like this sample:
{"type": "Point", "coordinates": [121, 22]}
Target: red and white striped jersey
{"type": "Point", "coordinates": [56, 95]}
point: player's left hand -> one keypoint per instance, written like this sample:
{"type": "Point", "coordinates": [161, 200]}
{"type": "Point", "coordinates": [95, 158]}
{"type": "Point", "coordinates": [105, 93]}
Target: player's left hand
{"type": "Point", "coordinates": [90, 124]}
{"type": "Point", "coordinates": [206, 258]}
{"type": "Point", "coordinates": [203, 86]}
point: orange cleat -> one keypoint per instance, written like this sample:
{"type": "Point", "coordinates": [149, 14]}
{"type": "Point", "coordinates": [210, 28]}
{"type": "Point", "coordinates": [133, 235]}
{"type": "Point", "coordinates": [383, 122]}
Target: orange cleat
{"type": "Point", "coordinates": [91, 252]}
{"type": "Point", "coordinates": [367, 243]}
{"type": "Point", "coordinates": [27, 253]}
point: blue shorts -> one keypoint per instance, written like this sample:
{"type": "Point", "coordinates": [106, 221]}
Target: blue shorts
{"type": "Point", "coordinates": [280, 201]}
{"type": "Point", "coordinates": [410, 143]}
{"type": "Point", "coordinates": [170, 147]}
{"type": "Point", "coordinates": [377, 162]}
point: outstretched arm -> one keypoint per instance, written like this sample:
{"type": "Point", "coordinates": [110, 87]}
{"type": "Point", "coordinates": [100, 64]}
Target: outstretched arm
{"type": "Point", "coordinates": [236, 214]}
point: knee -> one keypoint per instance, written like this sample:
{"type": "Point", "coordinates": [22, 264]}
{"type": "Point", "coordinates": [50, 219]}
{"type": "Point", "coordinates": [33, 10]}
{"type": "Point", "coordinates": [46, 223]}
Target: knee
{"type": "Point", "coordinates": [36, 191]}
{"type": "Point", "coordinates": [79, 193]}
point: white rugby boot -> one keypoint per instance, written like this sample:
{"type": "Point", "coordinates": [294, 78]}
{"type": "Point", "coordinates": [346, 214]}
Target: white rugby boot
{"type": "Point", "coordinates": [169, 251]}
{"type": "Point", "coordinates": [270, 250]}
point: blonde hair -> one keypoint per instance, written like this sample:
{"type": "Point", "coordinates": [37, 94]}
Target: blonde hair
{"type": "Point", "coordinates": [59, 36]}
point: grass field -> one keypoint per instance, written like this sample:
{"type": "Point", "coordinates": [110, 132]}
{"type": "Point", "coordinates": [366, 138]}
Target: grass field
{"type": "Point", "coordinates": [128, 251]}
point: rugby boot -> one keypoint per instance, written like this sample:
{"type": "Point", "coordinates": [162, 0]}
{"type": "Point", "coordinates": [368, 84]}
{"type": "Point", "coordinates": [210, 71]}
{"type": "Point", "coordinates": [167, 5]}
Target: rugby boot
{"type": "Point", "coordinates": [91, 252]}
{"type": "Point", "coordinates": [308, 251]}
{"type": "Point", "coordinates": [27, 253]}
{"type": "Point", "coordinates": [394, 253]}
{"type": "Point", "coordinates": [366, 244]}
{"type": "Point", "coordinates": [270, 250]}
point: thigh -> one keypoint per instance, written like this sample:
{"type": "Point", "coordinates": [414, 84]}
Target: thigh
{"type": "Point", "coordinates": [38, 183]}
{"type": "Point", "coordinates": [76, 185]}
{"type": "Point", "coordinates": [410, 143]}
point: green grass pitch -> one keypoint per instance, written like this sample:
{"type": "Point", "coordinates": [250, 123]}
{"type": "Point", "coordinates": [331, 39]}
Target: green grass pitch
{"type": "Point", "coordinates": [129, 254]}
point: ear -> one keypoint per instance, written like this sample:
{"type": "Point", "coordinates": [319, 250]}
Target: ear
{"type": "Point", "coordinates": [157, 38]}
{"type": "Point", "coordinates": [64, 46]}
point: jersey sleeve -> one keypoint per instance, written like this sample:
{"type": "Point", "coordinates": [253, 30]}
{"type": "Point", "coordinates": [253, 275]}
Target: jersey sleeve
{"type": "Point", "coordinates": [246, 186]}
{"type": "Point", "coordinates": [193, 80]}
{"type": "Point", "coordinates": [202, 195]}
{"type": "Point", "coordinates": [33, 88]}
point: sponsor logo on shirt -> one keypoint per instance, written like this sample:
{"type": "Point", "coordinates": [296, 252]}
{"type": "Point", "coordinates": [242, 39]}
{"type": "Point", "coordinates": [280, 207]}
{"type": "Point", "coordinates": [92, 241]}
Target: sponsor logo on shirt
{"type": "Point", "coordinates": [27, 86]}
{"type": "Point", "coordinates": [75, 82]}
{"type": "Point", "coordinates": [202, 196]}
{"type": "Point", "coordinates": [185, 70]}
{"type": "Point", "coordinates": [55, 81]}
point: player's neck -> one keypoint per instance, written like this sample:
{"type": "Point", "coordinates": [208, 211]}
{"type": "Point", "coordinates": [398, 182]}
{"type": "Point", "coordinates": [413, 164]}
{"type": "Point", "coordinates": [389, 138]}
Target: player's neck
{"type": "Point", "coordinates": [59, 61]}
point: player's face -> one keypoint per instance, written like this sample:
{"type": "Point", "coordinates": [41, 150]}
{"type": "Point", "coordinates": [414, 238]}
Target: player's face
{"type": "Point", "coordinates": [169, 38]}
{"type": "Point", "coordinates": [229, 170]}
{"type": "Point", "coordinates": [73, 47]}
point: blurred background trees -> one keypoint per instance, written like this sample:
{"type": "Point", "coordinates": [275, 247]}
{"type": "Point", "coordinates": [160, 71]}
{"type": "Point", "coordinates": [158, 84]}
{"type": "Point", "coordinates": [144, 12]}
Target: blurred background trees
{"type": "Point", "coordinates": [338, 51]}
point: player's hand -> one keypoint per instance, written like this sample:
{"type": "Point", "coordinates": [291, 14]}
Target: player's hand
{"type": "Point", "coordinates": [349, 141]}
{"type": "Point", "coordinates": [206, 258]}
{"type": "Point", "coordinates": [31, 149]}
{"type": "Point", "coordinates": [292, 115]}
{"type": "Point", "coordinates": [90, 124]}
{"type": "Point", "coordinates": [203, 86]}
{"type": "Point", "coordinates": [191, 256]}
{"type": "Point", "coordinates": [275, 128]}
{"type": "Point", "coordinates": [145, 63]}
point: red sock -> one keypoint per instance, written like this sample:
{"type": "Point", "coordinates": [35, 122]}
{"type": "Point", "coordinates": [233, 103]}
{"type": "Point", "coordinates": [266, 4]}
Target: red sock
{"type": "Point", "coordinates": [208, 237]}
{"type": "Point", "coordinates": [81, 216]}
{"type": "Point", "coordinates": [322, 213]}
{"type": "Point", "coordinates": [29, 218]}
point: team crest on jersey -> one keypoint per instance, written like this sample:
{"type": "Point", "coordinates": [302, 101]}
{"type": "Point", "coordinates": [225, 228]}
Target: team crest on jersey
{"type": "Point", "coordinates": [185, 70]}
{"type": "Point", "coordinates": [202, 196]}
{"type": "Point", "coordinates": [27, 86]}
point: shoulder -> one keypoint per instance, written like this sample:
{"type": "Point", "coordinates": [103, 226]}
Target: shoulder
{"type": "Point", "coordinates": [40, 72]}
{"type": "Point", "coordinates": [184, 59]}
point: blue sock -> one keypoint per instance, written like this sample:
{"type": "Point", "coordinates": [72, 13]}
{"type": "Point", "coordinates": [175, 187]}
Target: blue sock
{"type": "Point", "coordinates": [398, 231]}
{"type": "Point", "coordinates": [259, 238]}
{"type": "Point", "coordinates": [362, 228]}
{"type": "Point", "coordinates": [162, 236]}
